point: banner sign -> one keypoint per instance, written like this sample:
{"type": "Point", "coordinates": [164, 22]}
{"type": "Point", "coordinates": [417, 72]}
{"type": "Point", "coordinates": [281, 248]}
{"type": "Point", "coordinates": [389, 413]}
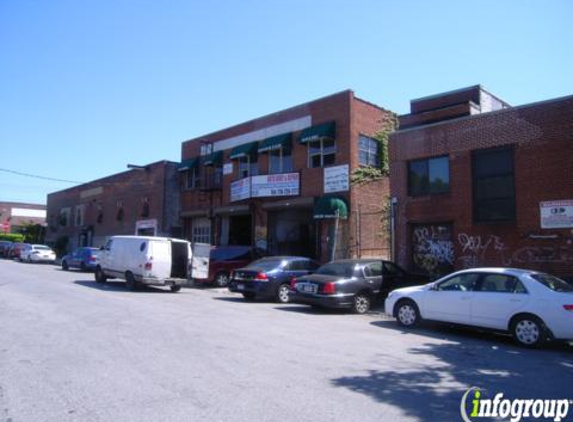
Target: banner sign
{"type": "Point", "coordinates": [556, 214]}
{"type": "Point", "coordinates": [336, 179]}
{"type": "Point", "coordinates": [241, 189]}
{"type": "Point", "coordinates": [287, 184]}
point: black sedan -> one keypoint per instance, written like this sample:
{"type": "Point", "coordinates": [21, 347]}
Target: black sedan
{"type": "Point", "coordinates": [351, 283]}
{"type": "Point", "coordinates": [270, 277]}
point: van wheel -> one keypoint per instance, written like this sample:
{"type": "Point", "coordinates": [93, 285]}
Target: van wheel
{"type": "Point", "coordinates": [130, 281]}
{"type": "Point", "coordinates": [175, 288]}
{"type": "Point", "coordinates": [100, 276]}
{"type": "Point", "coordinates": [221, 279]}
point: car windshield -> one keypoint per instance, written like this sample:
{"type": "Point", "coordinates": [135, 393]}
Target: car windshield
{"type": "Point", "coordinates": [264, 264]}
{"type": "Point", "coordinates": [341, 269]}
{"type": "Point", "coordinates": [228, 253]}
{"type": "Point", "coordinates": [553, 283]}
{"type": "Point", "coordinates": [41, 248]}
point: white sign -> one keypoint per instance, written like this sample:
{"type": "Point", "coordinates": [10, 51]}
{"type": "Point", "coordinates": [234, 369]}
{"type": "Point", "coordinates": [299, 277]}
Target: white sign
{"type": "Point", "coordinates": [200, 260]}
{"type": "Point", "coordinates": [556, 214]}
{"type": "Point", "coordinates": [228, 168]}
{"type": "Point", "coordinates": [287, 184]}
{"type": "Point", "coordinates": [28, 212]}
{"type": "Point", "coordinates": [241, 189]}
{"type": "Point", "coordinates": [336, 179]}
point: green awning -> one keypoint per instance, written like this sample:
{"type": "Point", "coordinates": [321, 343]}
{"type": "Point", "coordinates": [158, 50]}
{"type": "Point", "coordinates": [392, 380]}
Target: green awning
{"type": "Point", "coordinates": [188, 164]}
{"type": "Point", "coordinates": [315, 133]}
{"type": "Point", "coordinates": [244, 150]}
{"type": "Point", "coordinates": [276, 142]}
{"type": "Point", "coordinates": [330, 207]}
{"type": "Point", "coordinates": [213, 159]}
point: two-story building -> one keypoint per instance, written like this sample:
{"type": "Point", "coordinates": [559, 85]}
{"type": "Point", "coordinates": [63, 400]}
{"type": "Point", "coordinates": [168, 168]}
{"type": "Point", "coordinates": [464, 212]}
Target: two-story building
{"type": "Point", "coordinates": [476, 182]}
{"type": "Point", "coordinates": [143, 200]}
{"type": "Point", "coordinates": [281, 182]}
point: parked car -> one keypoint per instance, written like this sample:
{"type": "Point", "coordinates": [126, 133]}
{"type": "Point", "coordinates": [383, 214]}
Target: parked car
{"type": "Point", "coordinates": [84, 258]}
{"type": "Point", "coordinates": [5, 246]}
{"type": "Point", "coordinates": [15, 250]}
{"type": "Point", "coordinates": [350, 283]}
{"type": "Point", "coordinates": [144, 260]}
{"type": "Point", "coordinates": [270, 277]}
{"type": "Point", "coordinates": [37, 253]}
{"type": "Point", "coordinates": [530, 305]}
{"type": "Point", "coordinates": [224, 259]}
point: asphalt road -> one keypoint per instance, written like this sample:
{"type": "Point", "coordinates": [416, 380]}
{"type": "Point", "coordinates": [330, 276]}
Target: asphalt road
{"type": "Point", "coordinates": [72, 350]}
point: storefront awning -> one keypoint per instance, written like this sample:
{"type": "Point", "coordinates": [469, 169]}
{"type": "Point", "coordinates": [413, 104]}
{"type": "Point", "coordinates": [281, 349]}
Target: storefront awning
{"type": "Point", "coordinates": [276, 142]}
{"type": "Point", "coordinates": [330, 207]}
{"type": "Point", "coordinates": [244, 150]}
{"type": "Point", "coordinates": [188, 164]}
{"type": "Point", "coordinates": [315, 133]}
{"type": "Point", "coordinates": [213, 159]}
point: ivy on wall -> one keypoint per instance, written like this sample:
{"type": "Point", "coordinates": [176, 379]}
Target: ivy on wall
{"type": "Point", "coordinates": [366, 174]}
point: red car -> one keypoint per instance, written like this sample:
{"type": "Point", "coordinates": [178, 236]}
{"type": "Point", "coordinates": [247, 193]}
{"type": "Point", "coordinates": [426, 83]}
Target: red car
{"type": "Point", "coordinates": [16, 249]}
{"type": "Point", "coordinates": [224, 259]}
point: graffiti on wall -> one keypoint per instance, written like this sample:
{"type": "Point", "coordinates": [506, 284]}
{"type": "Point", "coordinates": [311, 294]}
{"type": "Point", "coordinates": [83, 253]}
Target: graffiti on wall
{"type": "Point", "coordinates": [433, 248]}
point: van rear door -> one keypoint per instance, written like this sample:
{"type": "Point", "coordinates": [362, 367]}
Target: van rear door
{"type": "Point", "coordinates": [159, 254]}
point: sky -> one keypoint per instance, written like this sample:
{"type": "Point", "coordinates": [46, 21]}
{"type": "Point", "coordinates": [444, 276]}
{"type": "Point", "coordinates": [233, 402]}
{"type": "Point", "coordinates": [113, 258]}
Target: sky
{"type": "Point", "coordinates": [88, 86]}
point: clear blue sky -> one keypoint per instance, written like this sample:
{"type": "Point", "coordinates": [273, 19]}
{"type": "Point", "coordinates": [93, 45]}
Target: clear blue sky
{"type": "Point", "coordinates": [87, 86]}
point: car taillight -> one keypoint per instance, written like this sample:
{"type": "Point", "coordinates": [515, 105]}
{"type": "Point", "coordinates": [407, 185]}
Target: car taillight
{"type": "Point", "coordinates": [568, 307]}
{"type": "Point", "coordinates": [148, 266]}
{"type": "Point", "coordinates": [293, 282]}
{"type": "Point", "coordinates": [329, 288]}
{"type": "Point", "coordinates": [261, 277]}
{"type": "Point", "coordinates": [92, 258]}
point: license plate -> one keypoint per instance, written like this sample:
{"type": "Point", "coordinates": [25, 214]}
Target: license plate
{"type": "Point", "coordinates": [307, 288]}
{"type": "Point", "coordinates": [240, 287]}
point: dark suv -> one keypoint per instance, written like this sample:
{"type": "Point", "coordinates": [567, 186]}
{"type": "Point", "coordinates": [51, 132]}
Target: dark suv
{"type": "Point", "coordinates": [351, 283]}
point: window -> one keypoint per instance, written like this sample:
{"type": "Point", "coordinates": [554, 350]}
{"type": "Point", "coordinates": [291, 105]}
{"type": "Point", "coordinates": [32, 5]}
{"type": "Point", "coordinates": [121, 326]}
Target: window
{"type": "Point", "coordinates": [553, 283]}
{"type": "Point", "coordinates": [493, 185]}
{"type": "Point", "coordinates": [392, 269]}
{"type": "Point", "coordinates": [373, 270]}
{"type": "Point", "coordinates": [428, 176]}
{"type": "Point", "coordinates": [280, 161]}
{"type": "Point", "coordinates": [459, 283]}
{"type": "Point", "coordinates": [201, 234]}
{"type": "Point", "coordinates": [248, 166]}
{"type": "Point", "coordinates": [501, 283]}
{"type": "Point", "coordinates": [368, 151]}
{"type": "Point", "coordinates": [193, 180]}
{"type": "Point", "coordinates": [64, 218]}
{"type": "Point", "coordinates": [321, 153]}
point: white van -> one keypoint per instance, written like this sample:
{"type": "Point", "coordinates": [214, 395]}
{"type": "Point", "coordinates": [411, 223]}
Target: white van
{"type": "Point", "coordinates": [153, 261]}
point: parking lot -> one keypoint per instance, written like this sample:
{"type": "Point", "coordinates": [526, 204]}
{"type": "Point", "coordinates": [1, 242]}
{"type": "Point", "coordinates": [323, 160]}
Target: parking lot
{"type": "Point", "coordinates": [74, 350]}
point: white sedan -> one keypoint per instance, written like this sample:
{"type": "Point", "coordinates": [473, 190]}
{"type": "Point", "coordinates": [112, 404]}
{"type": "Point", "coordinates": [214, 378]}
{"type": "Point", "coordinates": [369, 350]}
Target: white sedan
{"type": "Point", "coordinates": [37, 253]}
{"type": "Point", "coordinates": [530, 305]}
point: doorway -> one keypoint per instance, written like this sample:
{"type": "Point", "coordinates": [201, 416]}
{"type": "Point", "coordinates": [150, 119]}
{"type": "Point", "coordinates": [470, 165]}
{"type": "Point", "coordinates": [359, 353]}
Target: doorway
{"type": "Point", "coordinates": [292, 232]}
{"type": "Point", "coordinates": [240, 230]}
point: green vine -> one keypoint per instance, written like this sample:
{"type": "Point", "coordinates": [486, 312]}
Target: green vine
{"type": "Point", "coordinates": [366, 174]}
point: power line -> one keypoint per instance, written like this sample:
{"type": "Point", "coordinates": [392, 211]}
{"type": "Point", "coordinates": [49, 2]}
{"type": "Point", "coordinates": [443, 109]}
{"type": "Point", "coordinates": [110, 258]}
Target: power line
{"type": "Point", "coordinates": [39, 177]}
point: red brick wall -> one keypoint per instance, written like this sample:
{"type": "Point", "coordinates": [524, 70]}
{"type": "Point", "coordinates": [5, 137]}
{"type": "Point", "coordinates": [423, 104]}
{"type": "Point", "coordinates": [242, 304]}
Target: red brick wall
{"type": "Point", "coordinates": [542, 136]}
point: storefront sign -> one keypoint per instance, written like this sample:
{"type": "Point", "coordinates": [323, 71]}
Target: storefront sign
{"type": "Point", "coordinates": [287, 184]}
{"type": "Point", "coordinates": [146, 227]}
{"type": "Point", "coordinates": [556, 214]}
{"type": "Point", "coordinates": [228, 168]}
{"type": "Point", "coordinates": [336, 179]}
{"type": "Point", "coordinates": [241, 189]}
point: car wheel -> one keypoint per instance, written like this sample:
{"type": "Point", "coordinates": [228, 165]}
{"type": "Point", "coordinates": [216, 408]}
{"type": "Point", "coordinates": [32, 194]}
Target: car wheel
{"type": "Point", "coordinates": [100, 276]}
{"type": "Point", "coordinates": [361, 303]}
{"type": "Point", "coordinates": [529, 331]}
{"type": "Point", "coordinates": [282, 293]}
{"type": "Point", "coordinates": [175, 288]}
{"type": "Point", "coordinates": [249, 295]}
{"type": "Point", "coordinates": [65, 266]}
{"type": "Point", "coordinates": [222, 279]}
{"type": "Point", "coordinates": [130, 281]}
{"type": "Point", "coordinates": [407, 313]}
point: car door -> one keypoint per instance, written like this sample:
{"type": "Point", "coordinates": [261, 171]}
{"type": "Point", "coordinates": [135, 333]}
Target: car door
{"type": "Point", "coordinates": [450, 300]}
{"type": "Point", "coordinates": [373, 276]}
{"type": "Point", "coordinates": [497, 298]}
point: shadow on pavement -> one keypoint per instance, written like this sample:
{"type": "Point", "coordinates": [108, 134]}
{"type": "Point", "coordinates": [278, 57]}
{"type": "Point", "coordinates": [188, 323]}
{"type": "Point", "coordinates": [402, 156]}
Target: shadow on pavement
{"type": "Point", "coordinates": [240, 299]}
{"type": "Point", "coordinates": [431, 388]}
{"type": "Point", "coordinates": [119, 286]}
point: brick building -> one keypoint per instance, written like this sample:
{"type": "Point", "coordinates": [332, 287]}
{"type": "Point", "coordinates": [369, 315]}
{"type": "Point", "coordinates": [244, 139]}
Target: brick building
{"type": "Point", "coordinates": [144, 200]}
{"type": "Point", "coordinates": [14, 215]}
{"type": "Point", "coordinates": [476, 182]}
{"type": "Point", "coordinates": [279, 182]}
